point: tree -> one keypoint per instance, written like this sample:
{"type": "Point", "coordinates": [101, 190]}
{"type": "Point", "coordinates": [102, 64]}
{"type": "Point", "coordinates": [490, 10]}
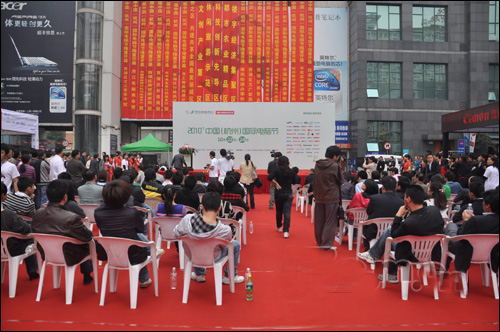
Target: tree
{"type": "Point", "coordinates": [57, 136]}
{"type": "Point", "coordinates": [483, 141]}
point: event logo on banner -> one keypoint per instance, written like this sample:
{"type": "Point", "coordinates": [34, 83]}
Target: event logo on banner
{"type": "Point", "coordinates": [214, 51]}
{"type": "Point", "coordinates": [37, 59]}
{"type": "Point", "coordinates": [301, 131]}
{"type": "Point", "coordinates": [331, 59]}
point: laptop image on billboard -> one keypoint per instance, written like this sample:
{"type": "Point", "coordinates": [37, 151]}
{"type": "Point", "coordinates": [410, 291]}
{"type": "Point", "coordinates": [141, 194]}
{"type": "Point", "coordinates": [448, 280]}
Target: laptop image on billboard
{"type": "Point", "coordinates": [33, 61]}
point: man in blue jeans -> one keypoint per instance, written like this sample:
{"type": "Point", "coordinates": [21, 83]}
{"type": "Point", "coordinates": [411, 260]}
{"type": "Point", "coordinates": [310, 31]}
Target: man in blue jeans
{"type": "Point", "coordinates": [207, 226]}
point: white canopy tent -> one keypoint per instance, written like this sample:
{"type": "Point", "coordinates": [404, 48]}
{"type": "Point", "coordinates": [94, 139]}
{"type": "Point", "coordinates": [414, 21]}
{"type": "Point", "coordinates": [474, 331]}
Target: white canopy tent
{"type": "Point", "coordinates": [15, 123]}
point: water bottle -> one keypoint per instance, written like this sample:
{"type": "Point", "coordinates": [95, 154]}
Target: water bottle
{"type": "Point", "coordinates": [470, 209]}
{"type": "Point", "coordinates": [173, 279]}
{"type": "Point", "coordinates": [249, 288]}
{"type": "Point", "coordinates": [247, 274]}
{"type": "Point", "coordinates": [250, 228]}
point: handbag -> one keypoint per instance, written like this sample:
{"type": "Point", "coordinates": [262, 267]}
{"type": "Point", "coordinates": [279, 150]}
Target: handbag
{"type": "Point", "coordinates": [258, 183]}
{"type": "Point", "coordinates": [254, 174]}
{"type": "Point", "coordinates": [340, 211]}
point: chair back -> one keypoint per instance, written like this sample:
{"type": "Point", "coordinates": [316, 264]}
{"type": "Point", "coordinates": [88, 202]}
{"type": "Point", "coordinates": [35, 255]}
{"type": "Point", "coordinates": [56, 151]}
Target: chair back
{"type": "Point", "coordinates": [295, 189]}
{"type": "Point", "coordinates": [200, 196]}
{"type": "Point", "coordinates": [359, 215]}
{"type": "Point", "coordinates": [77, 199]}
{"type": "Point", "coordinates": [238, 209]}
{"type": "Point", "coordinates": [89, 211]}
{"type": "Point", "coordinates": [421, 246]}
{"type": "Point", "coordinates": [304, 190]}
{"type": "Point", "coordinates": [482, 243]}
{"type": "Point", "coordinates": [382, 224]}
{"type": "Point", "coordinates": [189, 209]}
{"type": "Point", "coordinates": [53, 246]}
{"type": "Point", "coordinates": [453, 196]}
{"type": "Point", "coordinates": [345, 203]}
{"type": "Point", "coordinates": [236, 224]}
{"type": "Point", "coordinates": [152, 202]}
{"type": "Point", "coordinates": [167, 225]}
{"type": "Point", "coordinates": [7, 235]}
{"type": "Point", "coordinates": [117, 250]}
{"type": "Point", "coordinates": [201, 252]}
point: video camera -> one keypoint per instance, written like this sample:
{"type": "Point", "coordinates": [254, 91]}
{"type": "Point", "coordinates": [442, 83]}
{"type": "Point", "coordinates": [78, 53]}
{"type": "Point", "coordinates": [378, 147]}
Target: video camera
{"type": "Point", "coordinates": [229, 155]}
{"type": "Point", "coordinates": [273, 153]}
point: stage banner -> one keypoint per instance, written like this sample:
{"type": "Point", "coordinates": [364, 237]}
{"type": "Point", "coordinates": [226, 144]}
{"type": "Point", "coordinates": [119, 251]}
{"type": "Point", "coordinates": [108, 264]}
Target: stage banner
{"type": "Point", "coordinates": [331, 74]}
{"type": "Point", "coordinates": [301, 131]}
{"type": "Point", "coordinates": [37, 60]}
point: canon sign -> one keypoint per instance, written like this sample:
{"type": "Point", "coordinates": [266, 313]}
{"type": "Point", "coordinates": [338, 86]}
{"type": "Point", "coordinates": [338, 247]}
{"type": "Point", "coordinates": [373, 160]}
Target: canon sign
{"type": "Point", "coordinates": [13, 5]}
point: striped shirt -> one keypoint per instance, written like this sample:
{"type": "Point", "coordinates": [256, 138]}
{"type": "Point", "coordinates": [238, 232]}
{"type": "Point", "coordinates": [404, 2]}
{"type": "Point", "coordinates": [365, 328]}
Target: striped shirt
{"type": "Point", "coordinates": [20, 203]}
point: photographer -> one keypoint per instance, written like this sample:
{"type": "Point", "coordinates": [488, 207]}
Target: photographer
{"type": "Point", "coordinates": [226, 164]}
{"type": "Point", "coordinates": [270, 170]}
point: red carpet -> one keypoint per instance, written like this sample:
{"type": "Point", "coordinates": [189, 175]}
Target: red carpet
{"type": "Point", "coordinates": [296, 287]}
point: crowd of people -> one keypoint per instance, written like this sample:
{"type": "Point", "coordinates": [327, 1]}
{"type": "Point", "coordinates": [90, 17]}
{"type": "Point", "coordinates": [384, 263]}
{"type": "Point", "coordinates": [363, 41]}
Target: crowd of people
{"type": "Point", "coordinates": [44, 188]}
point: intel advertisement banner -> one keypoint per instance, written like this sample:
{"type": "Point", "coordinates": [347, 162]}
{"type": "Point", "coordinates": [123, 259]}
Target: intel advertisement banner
{"type": "Point", "coordinates": [37, 59]}
{"type": "Point", "coordinates": [301, 131]}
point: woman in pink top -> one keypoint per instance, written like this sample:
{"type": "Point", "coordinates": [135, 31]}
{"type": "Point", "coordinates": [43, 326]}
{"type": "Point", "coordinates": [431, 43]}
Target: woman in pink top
{"type": "Point", "coordinates": [25, 169]}
{"type": "Point", "coordinates": [361, 200]}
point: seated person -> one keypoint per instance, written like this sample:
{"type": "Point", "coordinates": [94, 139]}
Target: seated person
{"type": "Point", "coordinates": [455, 187]}
{"type": "Point", "coordinates": [231, 197]}
{"type": "Point", "coordinates": [137, 193]}
{"type": "Point", "coordinates": [22, 202]}
{"type": "Point", "coordinates": [152, 188]}
{"type": "Point", "coordinates": [481, 224]}
{"type": "Point", "coordinates": [476, 190]}
{"type": "Point", "coordinates": [440, 178]}
{"type": "Point", "coordinates": [117, 173]}
{"type": "Point", "coordinates": [310, 181]}
{"type": "Point", "coordinates": [361, 200]}
{"type": "Point", "coordinates": [65, 223]}
{"type": "Point", "coordinates": [201, 186]}
{"type": "Point", "coordinates": [360, 178]}
{"type": "Point", "coordinates": [11, 222]}
{"type": "Point", "coordinates": [403, 183]}
{"type": "Point", "coordinates": [168, 177]}
{"type": "Point", "coordinates": [238, 187]}
{"type": "Point", "coordinates": [348, 189]}
{"type": "Point", "coordinates": [186, 196]}
{"type": "Point", "coordinates": [102, 178]}
{"type": "Point", "coordinates": [115, 219]}
{"type": "Point", "coordinates": [226, 210]}
{"type": "Point", "coordinates": [177, 180]}
{"type": "Point", "coordinates": [90, 192]}
{"type": "Point", "coordinates": [413, 218]}
{"type": "Point", "coordinates": [160, 178]}
{"type": "Point", "coordinates": [169, 207]}
{"type": "Point", "coordinates": [437, 198]}
{"type": "Point", "coordinates": [206, 226]}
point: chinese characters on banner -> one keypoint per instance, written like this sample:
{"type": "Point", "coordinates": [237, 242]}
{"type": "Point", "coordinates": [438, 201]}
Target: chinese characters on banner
{"type": "Point", "coordinates": [215, 51]}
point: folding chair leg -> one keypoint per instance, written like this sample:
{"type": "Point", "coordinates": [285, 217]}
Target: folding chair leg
{"type": "Point", "coordinates": [113, 279]}
{"type": "Point", "coordinates": [465, 290]}
{"type": "Point", "coordinates": [104, 281]}
{"type": "Point", "coordinates": [181, 255]}
{"type": "Point", "coordinates": [40, 282]}
{"type": "Point", "coordinates": [3, 270]}
{"type": "Point", "coordinates": [70, 281]}
{"type": "Point", "coordinates": [405, 281]}
{"type": "Point", "coordinates": [436, 288]}
{"type": "Point", "coordinates": [187, 278]}
{"type": "Point", "coordinates": [56, 274]}
{"type": "Point", "coordinates": [13, 273]}
{"type": "Point", "coordinates": [351, 235]}
{"type": "Point", "coordinates": [133, 274]}
{"type": "Point", "coordinates": [485, 275]}
{"type": "Point", "coordinates": [494, 281]}
{"type": "Point", "coordinates": [218, 283]}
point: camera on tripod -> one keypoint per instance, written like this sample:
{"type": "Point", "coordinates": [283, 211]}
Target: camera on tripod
{"type": "Point", "coordinates": [273, 153]}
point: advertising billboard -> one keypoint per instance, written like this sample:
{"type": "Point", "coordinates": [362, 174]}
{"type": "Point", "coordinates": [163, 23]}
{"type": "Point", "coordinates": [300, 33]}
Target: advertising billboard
{"type": "Point", "coordinates": [37, 59]}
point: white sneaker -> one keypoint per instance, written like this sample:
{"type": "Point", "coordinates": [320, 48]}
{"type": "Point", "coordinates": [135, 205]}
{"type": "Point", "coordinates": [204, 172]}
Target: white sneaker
{"type": "Point", "coordinates": [198, 278]}
{"type": "Point", "coordinates": [159, 252]}
{"type": "Point", "coordinates": [366, 257]}
{"type": "Point", "coordinates": [333, 248]}
{"type": "Point", "coordinates": [280, 229]}
{"type": "Point", "coordinates": [286, 235]}
{"type": "Point", "coordinates": [391, 279]}
{"type": "Point", "coordinates": [237, 280]}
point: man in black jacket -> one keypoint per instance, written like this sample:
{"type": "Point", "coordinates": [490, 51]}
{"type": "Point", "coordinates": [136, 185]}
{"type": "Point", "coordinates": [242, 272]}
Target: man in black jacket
{"type": "Point", "coordinates": [380, 164]}
{"type": "Point", "coordinates": [432, 167]}
{"type": "Point", "coordinates": [270, 170]}
{"type": "Point", "coordinates": [476, 224]}
{"type": "Point", "coordinates": [187, 196]}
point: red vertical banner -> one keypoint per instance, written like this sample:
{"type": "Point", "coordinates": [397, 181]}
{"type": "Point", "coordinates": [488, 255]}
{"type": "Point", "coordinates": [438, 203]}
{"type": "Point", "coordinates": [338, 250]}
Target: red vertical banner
{"type": "Point", "coordinates": [175, 56]}
{"type": "Point", "coordinates": [192, 51]}
{"type": "Point", "coordinates": [207, 52]}
{"type": "Point", "coordinates": [155, 24]}
{"type": "Point", "coordinates": [302, 50]}
{"type": "Point", "coordinates": [200, 56]}
{"type": "Point", "coordinates": [259, 49]}
{"type": "Point", "coordinates": [310, 52]}
{"type": "Point", "coordinates": [294, 54]}
{"type": "Point", "coordinates": [134, 61]}
{"type": "Point", "coordinates": [143, 11]}
{"type": "Point", "coordinates": [217, 51]}
{"type": "Point", "coordinates": [250, 54]}
{"type": "Point", "coordinates": [225, 53]}
{"type": "Point", "coordinates": [233, 51]}
{"type": "Point", "coordinates": [268, 50]}
{"type": "Point", "coordinates": [184, 67]}
{"type": "Point", "coordinates": [243, 68]}
{"type": "Point", "coordinates": [277, 51]}
{"type": "Point", "coordinates": [125, 87]}
{"type": "Point", "coordinates": [167, 60]}
{"type": "Point", "coordinates": [285, 72]}
{"type": "Point", "coordinates": [160, 33]}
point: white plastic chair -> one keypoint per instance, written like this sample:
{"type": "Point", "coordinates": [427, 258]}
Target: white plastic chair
{"type": "Point", "coordinates": [147, 221]}
{"type": "Point", "coordinates": [301, 198]}
{"type": "Point", "coordinates": [189, 209]}
{"type": "Point", "coordinates": [89, 212]}
{"type": "Point", "coordinates": [152, 202]}
{"type": "Point", "coordinates": [200, 253]}
{"type": "Point", "coordinates": [236, 224]}
{"type": "Point", "coordinates": [117, 252]}
{"type": "Point", "coordinates": [77, 199]}
{"type": "Point", "coordinates": [313, 206]}
{"type": "Point", "coordinates": [483, 245]}
{"type": "Point", "coordinates": [295, 192]}
{"type": "Point", "coordinates": [236, 210]}
{"type": "Point", "coordinates": [165, 232]}
{"type": "Point", "coordinates": [422, 247]}
{"type": "Point", "coordinates": [15, 261]}
{"type": "Point", "coordinates": [200, 196]}
{"type": "Point", "coordinates": [53, 248]}
{"type": "Point", "coordinates": [382, 225]}
{"type": "Point", "coordinates": [359, 216]}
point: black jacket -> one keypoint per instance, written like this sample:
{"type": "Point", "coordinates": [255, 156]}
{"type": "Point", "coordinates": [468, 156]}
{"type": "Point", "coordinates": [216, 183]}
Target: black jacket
{"type": "Point", "coordinates": [486, 224]}
{"type": "Point", "coordinates": [187, 197]}
{"type": "Point", "coordinates": [423, 222]}
{"type": "Point", "coordinates": [124, 222]}
{"type": "Point", "coordinates": [56, 220]}
{"type": "Point", "coordinates": [380, 166]}
{"type": "Point", "coordinates": [11, 222]}
{"type": "Point", "coordinates": [435, 169]}
{"type": "Point", "coordinates": [477, 207]}
{"type": "Point", "coordinates": [385, 205]}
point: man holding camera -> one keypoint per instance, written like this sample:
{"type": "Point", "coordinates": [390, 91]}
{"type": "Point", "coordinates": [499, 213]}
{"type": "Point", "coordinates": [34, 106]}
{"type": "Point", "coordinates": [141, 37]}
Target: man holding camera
{"type": "Point", "coordinates": [271, 167]}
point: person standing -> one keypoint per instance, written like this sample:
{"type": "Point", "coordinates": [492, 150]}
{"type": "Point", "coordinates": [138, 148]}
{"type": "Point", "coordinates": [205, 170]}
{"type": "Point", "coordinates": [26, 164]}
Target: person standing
{"type": "Point", "coordinates": [10, 174]}
{"type": "Point", "coordinates": [213, 174]}
{"type": "Point", "coordinates": [271, 167]}
{"type": "Point", "coordinates": [178, 162]}
{"type": "Point", "coordinates": [226, 164]}
{"type": "Point", "coordinates": [75, 167]}
{"type": "Point", "coordinates": [380, 164]}
{"type": "Point", "coordinates": [117, 161]}
{"type": "Point", "coordinates": [491, 174]}
{"type": "Point", "coordinates": [283, 177]}
{"type": "Point", "coordinates": [57, 164]}
{"type": "Point", "coordinates": [327, 182]}
{"type": "Point", "coordinates": [247, 168]}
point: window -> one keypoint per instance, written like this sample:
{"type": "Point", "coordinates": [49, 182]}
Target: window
{"type": "Point", "coordinates": [430, 81]}
{"type": "Point", "coordinates": [493, 83]}
{"type": "Point", "coordinates": [386, 78]}
{"type": "Point", "coordinates": [383, 22]}
{"type": "Point", "coordinates": [381, 132]}
{"type": "Point", "coordinates": [429, 24]}
{"type": "Point", "coordinates": [493, 22]}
